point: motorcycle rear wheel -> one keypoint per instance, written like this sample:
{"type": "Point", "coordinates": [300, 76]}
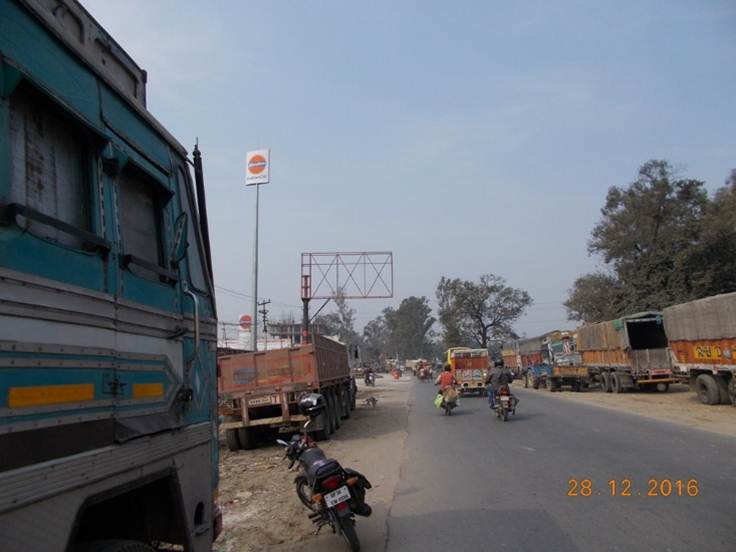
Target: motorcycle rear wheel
{"type": "Point", "coordinates": [304, 492]}
{"type": "Point", "coordinates": [505, 415]}
{"type": "Point", "coordinates": [347, 528]}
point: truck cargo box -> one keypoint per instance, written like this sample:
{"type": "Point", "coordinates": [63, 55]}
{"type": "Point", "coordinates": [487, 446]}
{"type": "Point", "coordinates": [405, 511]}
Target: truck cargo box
{"type": "Point", "coordinates": [291, 369]}
{"type": "Point", "coordinates": [703, 332]}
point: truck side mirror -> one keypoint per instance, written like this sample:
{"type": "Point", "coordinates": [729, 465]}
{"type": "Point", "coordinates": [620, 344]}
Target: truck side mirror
{"type": "Point", "coordinates": [180, 244]}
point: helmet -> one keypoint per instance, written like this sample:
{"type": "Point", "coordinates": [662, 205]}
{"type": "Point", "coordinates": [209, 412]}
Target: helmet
{"type": "Point", "coordinates": [498, 363]}
{"type": "Point", "coordinates": [312, 405]}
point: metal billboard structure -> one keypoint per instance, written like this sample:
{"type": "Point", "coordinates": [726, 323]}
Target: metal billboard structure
{"type": "Point", "coordinates": [354, 275]}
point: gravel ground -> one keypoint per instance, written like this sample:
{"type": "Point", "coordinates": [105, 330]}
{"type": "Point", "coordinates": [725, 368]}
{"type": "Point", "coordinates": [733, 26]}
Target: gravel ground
{"type": "Point", "coordinates": [260, 507]}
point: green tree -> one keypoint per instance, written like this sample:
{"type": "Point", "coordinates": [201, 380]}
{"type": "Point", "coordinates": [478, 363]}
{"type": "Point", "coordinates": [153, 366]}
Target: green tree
{"type": "Point", "coordinates": [594, 298]}
{"type": "Point", "coordinates": [711, 264]}
{"type": "Point", "coordinates": [646, 235]}
{"type": "Point", "coordinates": [410, 327]}
{"type": "Point", "coordinates": [340, 323]}
{"type": "Point", "coordinates": [376, 338]}
{"type": "Point", "coordinates": [450, 316]}
{"type": "Point", "coordinates": [484, 310]}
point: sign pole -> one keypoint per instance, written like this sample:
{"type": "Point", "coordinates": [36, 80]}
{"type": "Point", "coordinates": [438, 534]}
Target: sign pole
{"type": "Point", "coordinates": [254, 331]}
{"type": "Point", "coordinates": [257, 173]}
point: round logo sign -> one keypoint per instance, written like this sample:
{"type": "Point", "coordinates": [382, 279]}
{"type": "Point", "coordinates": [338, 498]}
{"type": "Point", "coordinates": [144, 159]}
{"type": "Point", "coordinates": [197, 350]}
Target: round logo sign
{"type": "Point", "coordinates": [256, 164]}
{"type": "Point", "coordinates": [245, 322]}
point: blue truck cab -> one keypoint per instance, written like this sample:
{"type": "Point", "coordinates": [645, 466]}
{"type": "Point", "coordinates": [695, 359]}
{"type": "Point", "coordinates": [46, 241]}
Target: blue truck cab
{"type": "Point", "coordinates": [108, 426]}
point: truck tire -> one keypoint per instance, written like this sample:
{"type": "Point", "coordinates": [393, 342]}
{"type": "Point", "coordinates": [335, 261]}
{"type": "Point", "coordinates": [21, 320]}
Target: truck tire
{"type": "Point", "coordinates": [345, 400]}
{"type": "Point", "coordinates": [605, 382]}
{"type": "Point", "coordinates": [549, 384]}
{"type": "Point", "coordinates": [353, 397]}
{"type": "Point", "coordinates": [231, 438]}
{"type": "Point", "coordinates": [246, 438]}
{"type": "Point", "coordinates": [616, 386]}
{"type": "Point", "coordinates": [662, 387]}
{"type": "Point", "coordinates": [723, 390]}
{"type": "Point", "coordinates": [113, 545]}
{"type": "Point", "coordinates": [336, 410]}
{"type": "Point", "coordinates": [535, 382]}
{"type": "Point", "coordinates": [707, 389]}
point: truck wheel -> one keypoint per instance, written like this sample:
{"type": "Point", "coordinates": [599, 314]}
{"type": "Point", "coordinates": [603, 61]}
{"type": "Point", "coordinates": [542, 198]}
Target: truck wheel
{"type": "Point", "coordinates": [663, 387]}
{"type": "Point", "coordinates": [723, 390]}
{"type": "Point", "coordinates": [345, 401]}
{"type": "Point", "coordinates": [336, 410]}
{"type": "Point", "coordinates": [246, 438]}
{"type": "Point", "coordinates": [548, 384]}
{"type": "Point", "coordinates": [616, 386]}
{"type": "Point", "coordinates": [231, 437]}
{"type": "Point", "coordinates": [353, 397]}
{"type": "Point", "coordinates": [113, 546]}
{"type": "Point", "coordinates": [605, 382]}
{"type": "Point", "coordinates": [535, 382]}
{"type": "Point", "coordinates": [707, 389]}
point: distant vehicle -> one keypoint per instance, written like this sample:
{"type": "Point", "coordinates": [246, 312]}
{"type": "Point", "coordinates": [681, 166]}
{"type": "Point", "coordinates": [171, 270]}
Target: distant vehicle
{"type": "Point", "coordinates": [535, 358]}
{"type": "Point", "coordinates": [108, 427]}
{"type": "Point", "coordinates": [260, 391]}
{"type": "Point", "coordinates": [566, 367]}
{"type": "Point", "coordinates": [630, 352]}
{"type": "Point", "coordinates": [470, 367]}
{"type": "Point", "coordinates": [702, 342]}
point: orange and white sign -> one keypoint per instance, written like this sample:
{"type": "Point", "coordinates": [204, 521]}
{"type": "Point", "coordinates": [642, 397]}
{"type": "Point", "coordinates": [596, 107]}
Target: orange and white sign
{"type": "Point", "coordinates": [257, 167]}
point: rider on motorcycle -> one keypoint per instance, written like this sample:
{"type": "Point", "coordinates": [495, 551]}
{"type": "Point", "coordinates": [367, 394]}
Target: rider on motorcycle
{"type": "Point", "coordinates": [445, 379]}
{"type": "Point", "coordinates": [497, 377]}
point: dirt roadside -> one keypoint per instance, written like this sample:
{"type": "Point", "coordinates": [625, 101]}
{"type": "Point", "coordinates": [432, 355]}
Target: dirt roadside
{"type": "Point", "coordinates": [260, 508]}
{"type": "Point", "coordinates": [678, 405]}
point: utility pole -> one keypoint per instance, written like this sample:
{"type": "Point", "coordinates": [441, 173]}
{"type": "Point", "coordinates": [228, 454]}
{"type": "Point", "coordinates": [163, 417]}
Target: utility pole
{"type": "Point", "coordinates": [264, 313]}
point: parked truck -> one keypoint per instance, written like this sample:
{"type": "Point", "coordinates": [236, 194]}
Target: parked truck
{"type": "Point", "coordinates": [702, 340]}
{"type": "Point", "coordinates": [259, 391]}
{"type": "Point", "coordinates": [108, 425]}
{"type": "Point", "coordinates": [565, 367]}
{"type": "Point", "coordinates": [627, 353]}
{"type": "Point", "coordinates": [470, 367]}
{"type": "Point", "coordinates": [535, 359]}
{"type": "Point", "coordinates": [511, 358]}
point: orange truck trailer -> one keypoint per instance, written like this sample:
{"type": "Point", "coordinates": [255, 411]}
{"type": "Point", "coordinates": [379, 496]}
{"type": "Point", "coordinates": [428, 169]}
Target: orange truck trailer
{"type": "Point", "coordinates": [259, 391]}
{"type": "Point", "coordinates": [702, 339]}
{"type": "Point", "coordinates": [627, 353]}
{"type": "Point", "coordinates": [470, 367]}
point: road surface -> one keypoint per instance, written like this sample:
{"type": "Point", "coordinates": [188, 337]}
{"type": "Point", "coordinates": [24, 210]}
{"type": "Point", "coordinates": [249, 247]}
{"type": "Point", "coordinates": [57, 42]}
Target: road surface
{"type": "Point", "coordinates": [472, 482]}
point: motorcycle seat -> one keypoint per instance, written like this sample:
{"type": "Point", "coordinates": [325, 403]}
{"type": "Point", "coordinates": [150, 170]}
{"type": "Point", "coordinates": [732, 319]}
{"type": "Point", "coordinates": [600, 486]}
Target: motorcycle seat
{"type": "Point", "coordinates": [317, 465]}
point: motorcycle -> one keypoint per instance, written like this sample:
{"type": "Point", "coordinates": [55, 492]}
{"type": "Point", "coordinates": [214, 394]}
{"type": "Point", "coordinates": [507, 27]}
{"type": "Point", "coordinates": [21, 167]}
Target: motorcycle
{"type": "Point", "coordinates": [449, 401]}
{"type": "Point", "coordinates": [370, 379]}
{"type": "Point", "coordinates": [332, 494]}
{"type": "Point", "coordinates": [505, 403]}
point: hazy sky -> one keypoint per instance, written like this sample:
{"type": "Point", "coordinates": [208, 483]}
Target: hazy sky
{"type": "Point", "coordinates": [466, 137]}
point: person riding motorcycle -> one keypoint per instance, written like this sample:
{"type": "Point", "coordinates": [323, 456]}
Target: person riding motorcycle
{"type": "Point", "coordinates": [497, 377]}
{"type": "Point", "coordinates": [447, 383]}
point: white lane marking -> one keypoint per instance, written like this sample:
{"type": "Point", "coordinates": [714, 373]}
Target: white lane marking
{"type": "Point", "coordinates": [530, 449]}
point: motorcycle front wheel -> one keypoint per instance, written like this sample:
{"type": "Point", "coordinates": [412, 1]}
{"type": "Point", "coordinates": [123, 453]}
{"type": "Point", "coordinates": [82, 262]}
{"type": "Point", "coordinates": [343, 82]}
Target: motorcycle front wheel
{"type": "Point", "coordinates": [347, 528]}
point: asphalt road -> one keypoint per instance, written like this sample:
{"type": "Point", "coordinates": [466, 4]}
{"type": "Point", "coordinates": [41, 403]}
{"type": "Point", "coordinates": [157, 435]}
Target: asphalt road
{"type": "Point", "coordinates": [472, 482]}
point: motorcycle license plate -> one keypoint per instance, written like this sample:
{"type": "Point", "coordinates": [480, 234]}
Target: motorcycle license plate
{"type": "Point", "coordinates": [336, 497]}
{"type": "Point", "coordinates": [505, 399]}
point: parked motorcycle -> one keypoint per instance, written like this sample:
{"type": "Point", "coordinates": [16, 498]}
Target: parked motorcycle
{"type": "Point", "coordinates": [370, 379]}
{"type": "Point", "coordinates": [333, 494]}
{"type": "Point", "coordinates": [505, 403]}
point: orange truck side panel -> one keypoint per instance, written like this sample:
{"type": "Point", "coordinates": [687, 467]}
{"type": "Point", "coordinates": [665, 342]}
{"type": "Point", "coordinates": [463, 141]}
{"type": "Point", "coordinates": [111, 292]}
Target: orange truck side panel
{"type": "Point", "coordinates": [297, 367]}
{"type": "Point", "coordinates": [605, 358]}
{"type": "Point", "coordinates": [711, 351]}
